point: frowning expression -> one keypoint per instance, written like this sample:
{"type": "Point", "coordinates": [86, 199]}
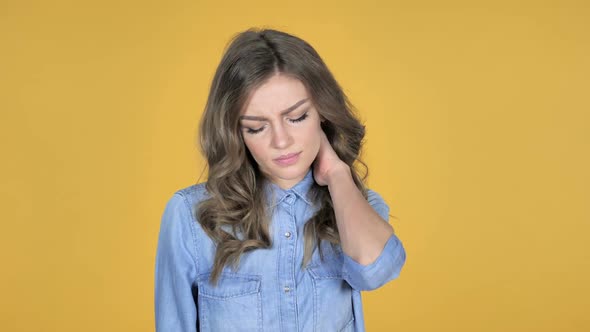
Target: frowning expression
{"type": "Point", "coordinates": [281, 129]}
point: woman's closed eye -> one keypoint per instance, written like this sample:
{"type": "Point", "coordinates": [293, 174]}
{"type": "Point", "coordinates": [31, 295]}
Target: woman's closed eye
{"type": "Point", "coordinates": [254, 131]}
{"type": "Point", "coordinates": [299, 119]}
{"type": "Point", "coordinates": [258, 130]}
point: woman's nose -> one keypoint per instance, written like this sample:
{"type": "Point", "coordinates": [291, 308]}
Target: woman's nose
{"type": "Point", "coordinates": [281, 138]}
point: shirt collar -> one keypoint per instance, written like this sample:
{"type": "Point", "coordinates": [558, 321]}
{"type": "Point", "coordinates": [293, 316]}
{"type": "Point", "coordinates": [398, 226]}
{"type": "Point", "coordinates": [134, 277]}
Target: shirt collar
{"type": "Point", "coordinates": [300, 189]}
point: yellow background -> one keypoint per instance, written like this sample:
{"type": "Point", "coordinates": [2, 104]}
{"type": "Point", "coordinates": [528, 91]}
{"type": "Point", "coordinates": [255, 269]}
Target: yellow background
{"type": "Point", "coordinates": [478, 138]}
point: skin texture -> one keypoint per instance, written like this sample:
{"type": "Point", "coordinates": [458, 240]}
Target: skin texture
{"type": "Point", "coordinates": [282, 134]}
{"type": "Point", "coordinates": [363, 233]}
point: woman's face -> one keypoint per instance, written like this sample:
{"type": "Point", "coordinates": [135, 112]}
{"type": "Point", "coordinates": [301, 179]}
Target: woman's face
{"type": "Point", "coordinates": [281, 129]}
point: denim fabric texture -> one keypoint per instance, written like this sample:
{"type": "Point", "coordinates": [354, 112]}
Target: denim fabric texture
{"type": "Point", "coordinates": [269, 291]}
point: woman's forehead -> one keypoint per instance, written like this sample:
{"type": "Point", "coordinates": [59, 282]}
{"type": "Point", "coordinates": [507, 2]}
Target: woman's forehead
{"type": "Point", "coordinates": [278, 94]}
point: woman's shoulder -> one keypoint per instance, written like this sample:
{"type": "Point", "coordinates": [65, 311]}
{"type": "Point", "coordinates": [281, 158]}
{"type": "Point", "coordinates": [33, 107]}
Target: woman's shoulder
{"type": "Point", "coordinates": [374, 197]}
{"type": "Point", "coordinates": [189, 197]}
{"type": "Point", "coordinates": [193, 193]}
{"type": "Point", "coordinates": [378, 203]}
{"type": "Point", "coordinates": [184, 203]}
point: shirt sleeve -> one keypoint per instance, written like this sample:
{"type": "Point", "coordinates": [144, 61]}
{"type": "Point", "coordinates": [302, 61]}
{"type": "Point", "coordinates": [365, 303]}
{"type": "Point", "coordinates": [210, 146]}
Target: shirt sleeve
{"type": "Point", "coordinates": [389, 263]}
{"type": "Point", "coordinates": [175, 270]}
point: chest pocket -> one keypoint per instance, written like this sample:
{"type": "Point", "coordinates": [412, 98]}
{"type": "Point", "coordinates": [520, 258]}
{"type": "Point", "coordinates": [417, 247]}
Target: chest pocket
{"type": "Point", "coordinates": [332, 294]}
{"type": "Point", "coordinates": [234, 304]}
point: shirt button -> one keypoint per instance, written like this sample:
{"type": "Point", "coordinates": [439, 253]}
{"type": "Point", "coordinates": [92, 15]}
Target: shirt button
{"type": "Point", "coordinates": [290, 198]}
{"type": "Point", "coordinates": [288, 235]}
{"type": "Point", "coordinates": [287, 289]}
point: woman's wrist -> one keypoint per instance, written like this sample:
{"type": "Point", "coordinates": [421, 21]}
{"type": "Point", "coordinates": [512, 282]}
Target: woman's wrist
{"type": "Point", "coordinates": [338, 174]}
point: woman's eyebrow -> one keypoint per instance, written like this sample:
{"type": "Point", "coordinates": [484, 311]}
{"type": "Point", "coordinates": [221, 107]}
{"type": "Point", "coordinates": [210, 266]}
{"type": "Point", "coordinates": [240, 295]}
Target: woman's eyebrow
{"type": "Point", "coordinates": [284, 112]}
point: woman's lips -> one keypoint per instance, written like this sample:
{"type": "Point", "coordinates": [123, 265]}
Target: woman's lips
{"type": "Point", "coordinates": [287, 160]}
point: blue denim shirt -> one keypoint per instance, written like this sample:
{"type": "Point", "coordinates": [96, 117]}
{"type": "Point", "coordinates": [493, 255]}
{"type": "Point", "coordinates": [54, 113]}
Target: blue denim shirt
{"type": "Point", "coordinates": [269, 291]}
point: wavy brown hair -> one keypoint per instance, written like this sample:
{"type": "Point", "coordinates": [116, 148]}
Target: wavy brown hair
{"type": "Point", "coordinates": [235, 213]}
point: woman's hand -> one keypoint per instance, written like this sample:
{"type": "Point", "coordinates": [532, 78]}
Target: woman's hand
{"type": "Point", "coordinates": [327, 165]}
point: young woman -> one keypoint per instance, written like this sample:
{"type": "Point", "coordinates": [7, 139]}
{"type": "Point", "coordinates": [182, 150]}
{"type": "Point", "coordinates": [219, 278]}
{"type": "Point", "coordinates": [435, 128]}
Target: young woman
{"type": "Point", "coordinates": [284, 235]}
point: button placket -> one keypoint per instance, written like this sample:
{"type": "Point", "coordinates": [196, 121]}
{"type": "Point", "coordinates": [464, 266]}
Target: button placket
{"type": "Point", "coordinates": [287, 265]}
{"type": "Point", "coordinates": [290, 198]}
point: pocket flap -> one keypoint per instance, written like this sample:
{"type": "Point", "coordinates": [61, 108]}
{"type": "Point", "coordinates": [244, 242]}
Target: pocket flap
{"type": "Point", "coordinates": [229, 285]}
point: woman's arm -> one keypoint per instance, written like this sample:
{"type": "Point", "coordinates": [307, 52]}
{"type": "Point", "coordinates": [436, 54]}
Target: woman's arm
{"type": "Point", "coordinates": [374, 253]}
{"type": "Point", "coordinates": [175, 275]}
{"type": "Point", "coordinates": [363, 232]}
